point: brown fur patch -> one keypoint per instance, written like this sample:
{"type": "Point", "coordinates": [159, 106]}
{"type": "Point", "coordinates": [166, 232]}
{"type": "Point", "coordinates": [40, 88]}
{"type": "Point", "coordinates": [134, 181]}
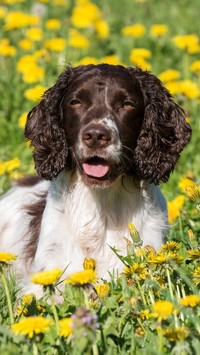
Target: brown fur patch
{"type": "Point", "coordinates": [35, 211]}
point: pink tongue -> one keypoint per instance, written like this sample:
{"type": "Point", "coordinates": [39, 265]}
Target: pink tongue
{"type": "Point", "coordinates": [95, 170]}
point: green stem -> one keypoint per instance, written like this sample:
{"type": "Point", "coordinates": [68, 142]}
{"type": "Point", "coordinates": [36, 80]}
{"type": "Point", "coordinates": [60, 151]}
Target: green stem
{"type": "Point", "coordinates": [170, 284]}
{"type": "Point", "coordinates": [8, 298]}
{"type": "Point", "coordinates": [55, 314]}
{"type": "Point", "coordinates": [35, 349]}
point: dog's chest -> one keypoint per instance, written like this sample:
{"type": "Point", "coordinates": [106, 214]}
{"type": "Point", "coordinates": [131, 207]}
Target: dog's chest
{"type": "Point", "coordinates": [99, 218]}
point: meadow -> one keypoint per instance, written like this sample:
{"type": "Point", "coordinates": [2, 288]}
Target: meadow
{"type": "Point", "coordinates": [153, 307]}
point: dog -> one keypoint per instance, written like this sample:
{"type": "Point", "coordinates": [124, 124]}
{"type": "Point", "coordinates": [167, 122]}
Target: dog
{"type": "Point", "coordinates": [103, 139]}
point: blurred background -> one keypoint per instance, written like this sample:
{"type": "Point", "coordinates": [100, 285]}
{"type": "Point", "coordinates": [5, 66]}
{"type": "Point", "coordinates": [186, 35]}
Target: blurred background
{"type": "Point", "coordinates": [39, 38]}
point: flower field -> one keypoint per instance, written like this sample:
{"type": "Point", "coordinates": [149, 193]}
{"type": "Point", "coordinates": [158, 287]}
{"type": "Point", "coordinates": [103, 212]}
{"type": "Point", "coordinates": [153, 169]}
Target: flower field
{"type": "Point", "coordinates": [153, 307]}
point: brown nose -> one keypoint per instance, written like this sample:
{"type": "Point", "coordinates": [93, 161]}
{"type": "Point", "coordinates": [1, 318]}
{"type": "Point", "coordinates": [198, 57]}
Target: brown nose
{"type": "Point", "coordinates": [96, 136]}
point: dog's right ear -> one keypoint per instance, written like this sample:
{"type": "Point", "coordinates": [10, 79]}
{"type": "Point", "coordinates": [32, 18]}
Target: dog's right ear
{"type": "Point", "coordinates": [44, 128]}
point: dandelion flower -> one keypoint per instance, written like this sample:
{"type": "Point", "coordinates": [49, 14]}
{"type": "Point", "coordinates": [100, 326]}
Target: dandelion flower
{"type": "Point", "coordinates": [31, 326]}
{"type": "Point", "coordinates": [194, 254]}
{"type": "Point", "coordinates": [46, 278]}
{"type": "Point", "coordinates": [53, 24]}
{"type": "Point", "coordinates": [174, 207]}
{"type": "Point", "coordinates": [169, 75]}
{"type": "Point", "coordinates": [35, 93]}
{"type": "Point", "coordinates": [22, 120]}
{"type": "Point", "coordinates": [175, 334]}
{"type": "Point", "coordinates": [5, 258]}
{"type": "Point", "coordinates": [196, 276]}
{"type": "Point", "coordinates": [65, 327]}
{"type": "Point", "coordinates": [163, 258]}
{"type": "Point", "coordinates": [136, 30]}
{"type": "Point", "coordinates": [136, 271]}
{"type": "Point", "coordinates": [193, 192]}
{"type": "Point", "coordinates": [195, 67]}
{"type": "Point", "coordinates": [82, 277]}
{"type": "Point", "coordinates": [171, 246]}
{"type": "Point", "coordinates": [162, 309]}
{"type": "Point", "coordinates": [158, 30]}
{"type": "Point", "coordinates": [190, 301]}
{"type": "Point", "coordinates": [77, 40]}
{"type": "Point", "coordinates": [55, 44]}
{"type": "Point", "coordinates": [185, 182]}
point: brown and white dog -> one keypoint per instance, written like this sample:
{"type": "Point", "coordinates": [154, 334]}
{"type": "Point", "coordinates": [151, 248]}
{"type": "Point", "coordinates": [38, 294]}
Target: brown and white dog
{"type": "Point", "coordinates": [103, 136]}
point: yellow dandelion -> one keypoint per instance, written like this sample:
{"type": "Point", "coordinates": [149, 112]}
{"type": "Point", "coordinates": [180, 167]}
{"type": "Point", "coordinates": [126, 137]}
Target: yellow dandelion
{"type": "Point", "coordinates": [55, 44]}
{"type": "Point", "coordinates": [35, 93]}
{"type": "Point", "coordinates": [173, 87]}
{"type": "Point", "coordinates": [136, 30]}
{"type": "Point", "coordinates": [25, 44]}
{"type": "Point", "coordinates": [158, 30]}
{"type": "Point", "coordinates": [6, 49]}
{"type": "Point", "coordinates": [34, 34]}
{"type": "Point", "coordinates": [145, 314]}
{"type": "Point", "coordinates": [189, 89]}
{"type": "Point", "coordinates": [25, 62]}
{"type": "Point", "coordinates": [102, 290]}
{"type": "Point", "coordinates": [171, 246]}
{"type": "Point", "coordinates": [139, 62]}
{"type": "Point", "coordinates": [140, 252]}
{"type": "Point", "coordinates": [185, 182]}
{"type": "Point", "coordinates": [175, 334]}
{"type": "Point", "coordinates": [19, 19]}
{"type": "Point", "coordinates": [196, 276]}
{"type": "Point", "coordinates": [33, 74]}
{"type": "Point", "coordinates": [194, 254]}
{"type": "Point", "coordinates": [162, 258]}
{"type": "Point", "coordinates": [11, 165]}
{"type": "Point", "coordinates": [65, 327]}
{"type": "Point", "coordinates": [82, 277]}
{"type": "Point", "coordinates": [46, 278]}
{"type": "Point", "coordinates": [31, 326]}
{"type": "Point", "coordinates": [85, 14]}
{"type": "Point", "coordinates": [193, 192]}
{"type": "Point", "coordinates": [53, 24]}
{"type": "Point", "coordinates": [190, 301]}
{"type": "Point", "coordinates": [141, 52]}
{"type": "Point", "coordinates": [88, 60]}
{"type": "Point", "coordinates": [162, 309]}
{"type": "Point", "coordinates": [195, 67]}
{"type": "Point", "coordinates": [169, 75]}
{"type": "Point", "coordinates": [5, 257]}
{"type": "Point", "coordinates": [22, 120]}
{"type": "Point", "coordinates": [77, 40]}
{"type": "Point", "coordinates": [174, 207]}
{"type": "Point", "coordinates": [186, 42]}
{"type": "Point", "coordinates": [111, 59]}
{"type": "Point", "coordinates": [102, 28]}
{"type": "Point", "coordinates": [136, 271]}
{"type": "Point", "coordinates": [89, 263]}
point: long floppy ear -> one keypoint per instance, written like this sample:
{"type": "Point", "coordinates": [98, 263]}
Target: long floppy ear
{"type": "Point", "coordinates": [44, 128]}
{"type": "Point", "coordinates": [164, 132]}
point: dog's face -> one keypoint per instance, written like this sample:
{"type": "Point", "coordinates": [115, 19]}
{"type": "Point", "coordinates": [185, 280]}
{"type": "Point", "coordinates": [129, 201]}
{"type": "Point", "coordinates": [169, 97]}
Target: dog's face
{"type": "Point", "coordinates": [102, 116]}
{"type": "Point", "coordinates": [107, 120]}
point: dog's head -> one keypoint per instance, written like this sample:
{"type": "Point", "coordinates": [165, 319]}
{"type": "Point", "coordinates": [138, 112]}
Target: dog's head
{"type": "Point", "coordinates": [107, 120]}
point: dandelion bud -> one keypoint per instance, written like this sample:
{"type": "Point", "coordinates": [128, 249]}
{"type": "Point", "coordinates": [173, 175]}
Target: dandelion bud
{"type": "Point", "coordinates": [192, 238]}
{"type": "Point", "coordinates": [102, 290]}
{"type": "Point", "coordinates": [134, 234]}
{"type": "Point", "coordinates": [89, 263]}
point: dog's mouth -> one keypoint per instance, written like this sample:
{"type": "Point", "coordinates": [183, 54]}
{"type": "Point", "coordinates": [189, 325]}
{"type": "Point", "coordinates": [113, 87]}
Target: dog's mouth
{"type": "Point", "coordinates": [96, 168]}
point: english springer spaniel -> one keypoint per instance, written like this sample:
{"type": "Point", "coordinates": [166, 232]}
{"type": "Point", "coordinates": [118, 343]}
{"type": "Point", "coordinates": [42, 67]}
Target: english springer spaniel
{"type": "Point", "coordinates": [103, 136]}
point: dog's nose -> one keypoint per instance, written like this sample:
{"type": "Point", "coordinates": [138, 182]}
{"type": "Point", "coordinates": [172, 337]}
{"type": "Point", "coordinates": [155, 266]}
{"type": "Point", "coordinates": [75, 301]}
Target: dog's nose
{"type": "Point", "coordinates": [96, 136]}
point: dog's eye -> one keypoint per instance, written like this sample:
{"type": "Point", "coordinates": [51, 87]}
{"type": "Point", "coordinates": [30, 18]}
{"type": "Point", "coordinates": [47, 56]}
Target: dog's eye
{"type": "Point", "coordinates": [75, 103]}
{"type": "Point", "coordinates": [128, 104]}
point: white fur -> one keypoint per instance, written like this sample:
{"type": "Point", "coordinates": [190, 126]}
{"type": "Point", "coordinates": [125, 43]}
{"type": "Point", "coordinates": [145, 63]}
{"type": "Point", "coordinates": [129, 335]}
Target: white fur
{"type": "Point", "coordinates": [80, 221]}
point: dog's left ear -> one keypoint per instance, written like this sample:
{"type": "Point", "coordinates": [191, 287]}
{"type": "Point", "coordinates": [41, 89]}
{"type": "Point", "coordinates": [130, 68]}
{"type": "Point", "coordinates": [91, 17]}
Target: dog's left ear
{"type": "Point", "coordinates": [164, 132]}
